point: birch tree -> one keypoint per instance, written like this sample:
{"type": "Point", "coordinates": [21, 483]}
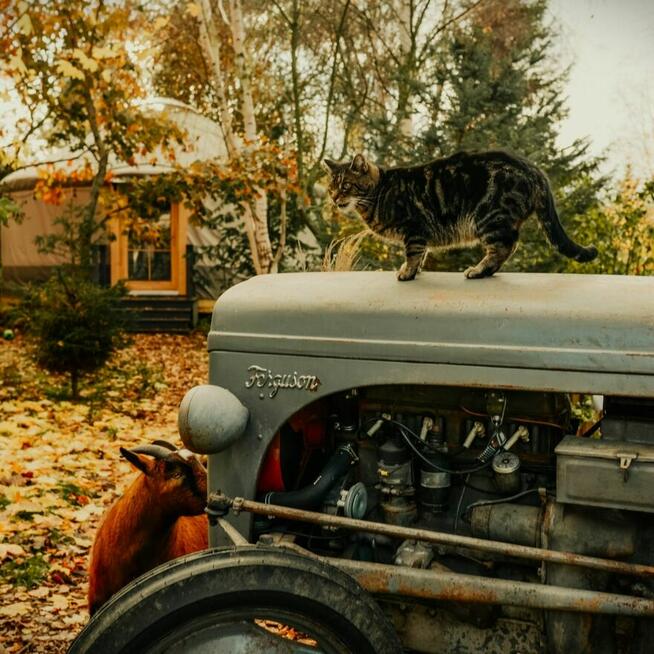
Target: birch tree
{"type": "Point", "coordinates": [254, 212]}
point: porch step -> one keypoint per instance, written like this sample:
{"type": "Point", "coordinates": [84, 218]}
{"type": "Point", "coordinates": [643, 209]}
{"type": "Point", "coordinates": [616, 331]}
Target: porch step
{"type": "Point", "coordinates": [160, 313]}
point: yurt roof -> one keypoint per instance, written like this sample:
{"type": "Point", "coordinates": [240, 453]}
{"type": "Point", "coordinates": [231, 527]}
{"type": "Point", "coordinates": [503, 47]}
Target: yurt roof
{"type": "Point", "coordinates": [203, 141]}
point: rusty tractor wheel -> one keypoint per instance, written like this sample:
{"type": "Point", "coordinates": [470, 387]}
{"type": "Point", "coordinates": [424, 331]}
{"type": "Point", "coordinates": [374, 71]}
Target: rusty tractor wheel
{"type": "Point", "coordinates": [237, 600]}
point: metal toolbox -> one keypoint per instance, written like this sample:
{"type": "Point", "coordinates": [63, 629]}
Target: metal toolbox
{"type": "Point", "coordinates": [611, 474]}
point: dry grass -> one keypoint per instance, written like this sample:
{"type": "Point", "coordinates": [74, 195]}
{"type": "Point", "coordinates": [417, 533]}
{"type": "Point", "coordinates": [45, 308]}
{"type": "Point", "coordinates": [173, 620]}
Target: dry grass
{"type": "Point", "coordinates": [342, 254]}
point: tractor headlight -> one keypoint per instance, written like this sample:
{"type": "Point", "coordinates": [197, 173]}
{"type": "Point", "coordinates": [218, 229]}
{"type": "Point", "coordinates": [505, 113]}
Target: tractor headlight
{"type": "Point", "coordinates": [211, 419]}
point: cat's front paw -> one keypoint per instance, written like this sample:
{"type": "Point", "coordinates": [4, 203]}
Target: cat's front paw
{"type": "Point", "coordinates": [477, 272]}
{"type": "Point", "coordinates": [406, 274]}
{"type": "Point", "coordinates": [474, 272]}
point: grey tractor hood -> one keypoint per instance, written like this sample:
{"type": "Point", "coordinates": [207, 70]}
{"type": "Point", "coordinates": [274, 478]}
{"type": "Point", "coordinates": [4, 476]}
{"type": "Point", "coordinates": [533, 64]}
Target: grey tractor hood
{"type": "Point", "coordinates": [593, 323]}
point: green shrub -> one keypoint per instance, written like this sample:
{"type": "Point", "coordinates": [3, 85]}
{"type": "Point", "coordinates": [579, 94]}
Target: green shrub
{"type": "Point", "coordinates": [75, 324]}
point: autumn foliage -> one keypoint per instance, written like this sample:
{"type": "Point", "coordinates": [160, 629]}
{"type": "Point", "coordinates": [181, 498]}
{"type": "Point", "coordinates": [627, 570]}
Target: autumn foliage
{"type": "Point", "coordinates": [624, 225]}
{"type": "Point", "coordinates": [75, 68]}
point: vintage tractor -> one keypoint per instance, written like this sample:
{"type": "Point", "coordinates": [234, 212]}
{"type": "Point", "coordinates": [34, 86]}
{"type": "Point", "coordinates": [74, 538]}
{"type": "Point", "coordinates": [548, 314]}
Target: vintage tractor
{"type": "Point", "coordinates": [444, 466]}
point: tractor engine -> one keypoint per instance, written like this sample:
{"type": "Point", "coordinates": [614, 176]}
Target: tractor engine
{"type": "Point", "coordinates": [512, 466]}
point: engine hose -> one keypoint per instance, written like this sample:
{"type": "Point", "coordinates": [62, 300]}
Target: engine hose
{"type": "Point", "coordinates": [312, 496]}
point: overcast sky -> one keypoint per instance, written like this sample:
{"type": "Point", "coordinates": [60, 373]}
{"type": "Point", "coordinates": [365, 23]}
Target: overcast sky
{"type": "Point", "coordinates": [610, 44]}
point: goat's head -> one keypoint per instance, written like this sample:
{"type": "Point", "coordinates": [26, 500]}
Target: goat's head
{"type": "Point", "coordinates": [176, 477]}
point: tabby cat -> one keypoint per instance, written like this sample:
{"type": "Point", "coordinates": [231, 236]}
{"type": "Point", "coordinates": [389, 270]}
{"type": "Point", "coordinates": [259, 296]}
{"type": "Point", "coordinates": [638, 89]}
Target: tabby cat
{"type": "Point", "coordinates": [465, 198]}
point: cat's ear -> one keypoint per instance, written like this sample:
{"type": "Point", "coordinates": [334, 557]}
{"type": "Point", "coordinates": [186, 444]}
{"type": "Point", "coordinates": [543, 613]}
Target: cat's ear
{"type": "Point", "coordinates": [329, 165]}
{"type": "Point", "coordinates": [359, 165]}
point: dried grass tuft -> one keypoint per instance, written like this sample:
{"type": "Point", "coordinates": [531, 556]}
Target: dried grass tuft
{"type": "Point", "coordinates": [342, 254]}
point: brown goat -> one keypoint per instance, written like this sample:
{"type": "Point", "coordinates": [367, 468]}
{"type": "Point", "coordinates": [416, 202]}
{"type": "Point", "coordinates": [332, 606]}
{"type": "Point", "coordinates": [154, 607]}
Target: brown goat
{"type": "Point", "coordinates": [158, 518]}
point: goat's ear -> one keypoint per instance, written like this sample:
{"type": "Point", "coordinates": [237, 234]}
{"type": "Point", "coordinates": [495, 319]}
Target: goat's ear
{"type": "Point", "coordinates": [144, 463]}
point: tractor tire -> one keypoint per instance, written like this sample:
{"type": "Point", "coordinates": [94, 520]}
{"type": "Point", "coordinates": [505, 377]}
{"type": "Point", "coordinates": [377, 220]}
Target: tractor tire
{"type": "Point", "coordinates": [208, 602]}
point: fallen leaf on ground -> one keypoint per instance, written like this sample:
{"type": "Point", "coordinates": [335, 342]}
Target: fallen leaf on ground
{"type": "Point", "coordinates": [61, 469]}
{"type": "Point", "coordinates": [10, 550]}
{"type": "Point", "coordinates": [12, 610]}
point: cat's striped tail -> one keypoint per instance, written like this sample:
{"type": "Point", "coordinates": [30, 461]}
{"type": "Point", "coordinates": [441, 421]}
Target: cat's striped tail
{"type": "Point", "coordinates": [557, 236]}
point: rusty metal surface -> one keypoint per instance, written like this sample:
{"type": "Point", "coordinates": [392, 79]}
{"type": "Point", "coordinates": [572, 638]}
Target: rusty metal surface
{"type": "Point", "coordinates": [439, 538]}
{"type": "Point", "coordinates": [417, 626]}
{"type": "Point", "coordinates": [437, 585]}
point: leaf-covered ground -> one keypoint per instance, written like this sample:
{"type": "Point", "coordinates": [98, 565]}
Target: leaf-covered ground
{"type": "Point", "coordinates": [60, 468]}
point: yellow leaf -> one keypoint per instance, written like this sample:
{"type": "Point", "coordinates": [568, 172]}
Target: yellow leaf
{"type": "Point", "coordinates": [193, 9]}
{"type": "Point", "coordinates": [83, 514]}
{"type": "Point", "coordinates": [67, 69]}
{"type": "Point", "coordinates": [24, 24]}
{"type": "Point", "coordinates": [13, 610]}
{"type": "Point", "coordinates": [106, 75]}
{"type": "Point", "coordinates": [103, 53]}
{"type": "Point", "coordinates": [10, 550]}
{"type": "Point", "coordinates": [75, 618]}
{"type": "Point", "coordinates": [59, 602]}
{"type": "Point", "coordinates": [87, 63]}
{"type": "Point", "coordinates": [146, 52]}
{"type": "Point", "coordinates": [16, 62]}
{"type": "Point", "coordinates": [40, 592]}
{"type": "Point", "coordinates": [24, 506]}
{"type": "Point", "coordinates": [161, 22]}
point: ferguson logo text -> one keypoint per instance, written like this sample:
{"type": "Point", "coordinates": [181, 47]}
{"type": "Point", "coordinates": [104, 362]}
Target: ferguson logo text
{"type": "Point", "coordinates": [264, 378]}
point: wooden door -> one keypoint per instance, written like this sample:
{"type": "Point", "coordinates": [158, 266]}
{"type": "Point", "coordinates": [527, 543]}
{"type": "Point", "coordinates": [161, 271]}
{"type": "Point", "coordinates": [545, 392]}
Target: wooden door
{"type": "Point", "coordinates": [152, 261]}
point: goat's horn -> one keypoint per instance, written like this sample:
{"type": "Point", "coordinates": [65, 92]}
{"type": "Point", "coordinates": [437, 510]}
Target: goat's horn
{"type": "Point", "coordinates": [157, 451]}
{"type": "Point", "coordinates": [166, 444]}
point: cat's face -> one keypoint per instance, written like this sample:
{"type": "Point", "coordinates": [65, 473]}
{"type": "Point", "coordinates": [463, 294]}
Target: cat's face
{"type": "Point", "coordinates": [351, 182]}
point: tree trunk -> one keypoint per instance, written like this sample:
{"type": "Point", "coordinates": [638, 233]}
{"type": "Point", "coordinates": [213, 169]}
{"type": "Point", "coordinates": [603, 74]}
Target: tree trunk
{"type": "Point", "coordinates": [210, 45]}
{"type": "Point", "coordinates": [407, 49]}
{"type": "Point", "coordinates": [295, 85]}
{"type": "Point", "coordinates": [255, 214]}
{"type": "Point", "coordinates": [242, 70]}
{"type": "Point", "coordinates": [260, 212]}
{"type": "Point", "coordinates": [89, 224]}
